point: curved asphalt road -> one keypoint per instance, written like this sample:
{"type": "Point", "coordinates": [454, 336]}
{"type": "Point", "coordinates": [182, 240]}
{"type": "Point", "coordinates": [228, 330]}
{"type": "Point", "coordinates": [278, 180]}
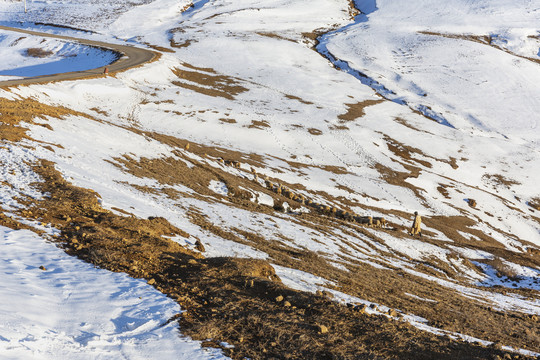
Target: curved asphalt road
{"type": "Point", "coordinates": [130, 57]}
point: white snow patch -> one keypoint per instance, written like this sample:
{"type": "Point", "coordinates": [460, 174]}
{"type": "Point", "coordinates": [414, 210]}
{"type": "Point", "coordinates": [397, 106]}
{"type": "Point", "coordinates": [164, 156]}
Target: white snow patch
{"type": "Point", "coordinates": [73, 310]}
{"type": "Point", "coordinates": [219, 187]}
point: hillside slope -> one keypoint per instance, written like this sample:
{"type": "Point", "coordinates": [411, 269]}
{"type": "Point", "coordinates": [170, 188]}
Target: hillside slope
{"type": "Point", "coordinates": [302, 135]}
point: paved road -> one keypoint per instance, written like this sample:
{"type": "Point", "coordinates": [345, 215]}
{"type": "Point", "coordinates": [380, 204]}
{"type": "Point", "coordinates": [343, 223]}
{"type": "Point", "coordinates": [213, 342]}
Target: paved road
{"type": "Point", "coordinates": [131, 57]}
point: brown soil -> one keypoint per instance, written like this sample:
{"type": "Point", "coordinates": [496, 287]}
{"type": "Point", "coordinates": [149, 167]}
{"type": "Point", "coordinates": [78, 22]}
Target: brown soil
{"type": "Point", "coordinates": [535, 203]}
{"type": "Point", "coordinates": [16, 112]}
{"type": "Point", "coordinates": [255, 124]}
{"type": "Point", "coordinates": [227, 120]}
{"type": "Point", "coordinates": [38, 52]}
{"type": "Point", "coordinates": [497, 180]}
{"type": "Point", "coordinates": [292, 97]}
{"type": "Point", "coordinates": [208, 82]}
{"type": "Point", "coordinates": [314, 131]}
{"type": "Point", "coordinates": [356, 111]}
{"type": "Point", "coordinates": [273, 36]}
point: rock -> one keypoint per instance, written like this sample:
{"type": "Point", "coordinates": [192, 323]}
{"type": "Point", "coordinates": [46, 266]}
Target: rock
{"type": "Point", "coordinates": [392, 313]}
{"type": "Point", "coordinates": [321, 329]}
{"type": "Point", "coordinates": [328, 294]}
{"type": "Point", "coordinates": [192, 262]}
{"type": "Point", "coordinates": [360, 308]}
{"type": "Point", "coordinates": [472, 203]}
{"type": "Point", "coordinates": [199, 246]}
{"type": "Point", "coordinates": [279, 298]}
{"type": "Point", "coordinates": [42, 268]}
{"type": "Point", "coordinates": [151, 281]}
{"type": "Point", "coordinates": [287, 304]}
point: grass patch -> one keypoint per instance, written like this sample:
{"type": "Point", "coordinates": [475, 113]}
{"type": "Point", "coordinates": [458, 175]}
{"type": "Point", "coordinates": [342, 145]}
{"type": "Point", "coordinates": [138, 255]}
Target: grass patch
{"type": "Point", "coordinates": [38, 53]}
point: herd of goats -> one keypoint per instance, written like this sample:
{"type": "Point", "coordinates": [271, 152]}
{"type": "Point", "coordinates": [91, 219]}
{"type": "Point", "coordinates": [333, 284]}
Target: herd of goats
{"type": "Point", "coordinates": [327, 210]}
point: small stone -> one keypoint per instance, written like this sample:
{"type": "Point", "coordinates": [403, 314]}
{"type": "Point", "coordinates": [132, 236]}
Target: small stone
{"type": "Point", "coordinates": [287, 304]}
{"type": "Point", "coordinates": [42, 268]}
{"type": "Point", "coordinates": [328, 294]}
{"type": "Point", "coordinates": [321, 329]}
{"type": "Point", "coordinates": [392, 313]}
{"type": "Point", "coordinates": [279, 298]}
{"type": "Point", "coordinates": [360, 308]}
{"type": "Point", "coordinates": [151, 281]}
{"type": "Point", "coordinates": [199, 246]}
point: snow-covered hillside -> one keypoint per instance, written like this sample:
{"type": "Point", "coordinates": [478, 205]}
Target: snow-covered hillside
{"type": "Point", "coordinates": [474, 63]}
{"type": "Point", "coordinates": [271, 130]}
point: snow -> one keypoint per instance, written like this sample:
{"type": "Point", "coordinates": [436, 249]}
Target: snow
{"type": "Point", "coordinates": [524, 278]}
{"type": "Point", "coordinates": [219, 187]}
{"type": "Point", "coordinates": [473, 85]}
{"type": "Point", "coordinates": [73, 310]}
{"type": "Point", "coordinates": [488, 97]}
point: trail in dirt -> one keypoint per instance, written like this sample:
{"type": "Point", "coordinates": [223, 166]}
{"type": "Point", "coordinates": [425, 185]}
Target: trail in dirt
{"type": "Point", "coordinates": [129, 57]}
